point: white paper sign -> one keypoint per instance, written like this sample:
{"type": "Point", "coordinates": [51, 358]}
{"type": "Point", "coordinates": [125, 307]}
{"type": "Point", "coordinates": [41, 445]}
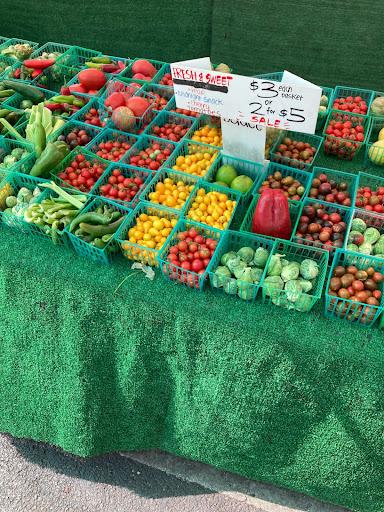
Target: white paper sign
{"type": "Point", "coordinates": [203, 63]}
{"type": "Point", "coordinates": [290, 78]}
{"type": "Point", "coordinates": [243, 140]}
{"type": "Point", "coordinates": [256, 100]}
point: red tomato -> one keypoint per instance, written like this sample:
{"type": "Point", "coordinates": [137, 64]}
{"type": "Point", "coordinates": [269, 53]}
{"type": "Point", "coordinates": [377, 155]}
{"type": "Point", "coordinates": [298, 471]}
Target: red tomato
{"type": "Point", "coordinates": [197, 265]}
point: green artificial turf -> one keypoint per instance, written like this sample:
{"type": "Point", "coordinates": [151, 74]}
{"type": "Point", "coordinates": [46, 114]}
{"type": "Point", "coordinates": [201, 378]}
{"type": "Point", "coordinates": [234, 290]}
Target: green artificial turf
{"type": "Point", "coordinates": [292, 399]}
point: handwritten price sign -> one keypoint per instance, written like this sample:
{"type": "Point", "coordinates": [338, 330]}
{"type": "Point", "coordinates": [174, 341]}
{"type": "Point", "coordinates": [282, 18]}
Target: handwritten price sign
{"type": "Point", "coordinates": [263, 102]}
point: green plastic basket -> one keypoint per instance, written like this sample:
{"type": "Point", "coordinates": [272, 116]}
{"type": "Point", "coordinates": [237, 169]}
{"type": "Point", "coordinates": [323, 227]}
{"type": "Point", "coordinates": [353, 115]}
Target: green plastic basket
{"type": "Point", "coordinates": [322, 115]}
{"type": "Point", "coordinates": [177, 274]}
{"type": "Point", "coordinates": [51, 47]}
{"type": "Point", "coordinates": [165, 117]}
{"type": "Point", "coordinates": [246, 225]}
{"type": "Point", "coordinates": [75, 81]}
{"type": "Point", "coordinates": [204, 120]}
{"type": "Point", "coordinates": [338, 177]}
{"type": "Point", "coordinates": [16, 181]}
{"type": "Point", "coordinates": [233, 241]}
{"type": "Point", "coordinates": [342, 91]}
{"type": "Point", "coordinates": [8, 145]}
{"type": "Point", "coordinates": [253, 170]}
{"type": "Point", "coordinates": [67, 161]}
{"type": "Point", "coordinates": [345, 213]}
{"type": "Point", "coordinates": [16, 99]}
{"type": "Point", "coordinates": [77, 56]}
{"type": "Point", "coordinates": [88, 250]}
{"type": "Point", "coordinates": [143, 143]}
{"type": "Point", "coordinates": [276, 76]}
{"type": "Point", "coordinates": [108, 135]}
{"type": "Point", "coordinates": [4, 40]}
{"type": "Point", "coordinates": [128, 73]}
{"type": "Point", "coordinates": [133, 251]}
{"type": "Point", "coordinates": [346, 309]}
{"type": "Point", "coordinates": [127, 62]}
{"type": "Point", "coordinates": [7, 66]}
{"type": "Point", "coordinates": [55, 77]}
{"type": "Point", "coordinates": [128, 172]}
{"type": "Point", "coordinates": [58, 237]}
{"type": "Point", "coordinates": [118, 84]}
{"type": "Point", "coordinates": [92, 132]}
{"type": "Point", "coordinates": [186, 148]}
{"type": "Point", "coordinates": [376, 94]}
{"type": "Point", "coordinates": [94, 103]}
{"type": "Point", "coordinates": [18, 118]}
{"type": "Point", "coordinates": [344, 149]}
{"type": "Point", "coordinates": [313, 140]}
{"type": "Point", "coordinates": [371, 219]}
{"type": "Point", "coordinates": [298, 301]}
{"type": "Point", "coordinates": [303, 177]}
{"type": "Point", "coordinates": [231, 194]}
{"type": "Point", "coordinates": [14, 40]}
{"type": "Point", "coordinates": [166, 69]}
{"type": "Point", "coordinates": [367, 180]}
{"type": "Point", "coordinates": [374, 156]}
{"type": "Point", "coordinates": [163, 95]}
{"type": "Point", "coordinates": [160, 176]}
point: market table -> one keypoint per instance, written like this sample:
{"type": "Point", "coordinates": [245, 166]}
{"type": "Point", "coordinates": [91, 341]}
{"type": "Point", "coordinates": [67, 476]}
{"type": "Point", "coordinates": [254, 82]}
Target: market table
{"type": "Point", "coordinates": [288, 398]}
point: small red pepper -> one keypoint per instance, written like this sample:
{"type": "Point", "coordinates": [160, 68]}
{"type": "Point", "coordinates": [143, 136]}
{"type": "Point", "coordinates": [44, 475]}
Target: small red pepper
{"type": "Point", "coordinates": [55, 106]}
{"type": "Point", "coordinates": [36, 73]}
{"type": "Point", "coordinates": [271, 215]}
{"type": "Point", "coordinates": [39, 63]}
{"type": "Point", "coordinates": [17, 73]}
{"type": "Point", "coordinates": [110, 68]}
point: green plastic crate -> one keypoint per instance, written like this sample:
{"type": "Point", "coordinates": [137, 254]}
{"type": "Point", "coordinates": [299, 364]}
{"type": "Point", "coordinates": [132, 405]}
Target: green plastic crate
{"type": "Point", "coordinates": [4, 40]}
{"type": "Point", "coordinates": [376, 94]}
{"type": "Point", "coordinates": [322, 115]}
{"type": "Point", "coordinates": [165, 117]}
{"type": "Point", "coordinates": [231, 194]}
{"type": "Point", "coordinates": [8, 145]}
{"type": "Point", "coordinates": [18, 119]}
{"type": "Point", "coordinates": [303, 302]}
{"type": "Point", "coordinates": [16, 99]}
{"type": "Point", "coordinates": [160, 76]}
{"type": "Point", "coordinates": [143, 143]}
{"type": "Point", "coordinates": [51, 47]}
{"type": "Point", "coordinates": [111, 135]}
{"type": "Point", "coordinates": [58, 237]}
{"type": "Point", "coordinates": [75, 81]}
{"type": "Point", "coordinates": [128, 172]}
{"type": "Point", "coordinates": [67, 161]}
{"type": "Point", "coordinates": [344, 149]}
{"type": "Point", "coordinates": [128, 73]}
{"type": "Point", "coordinates": [338, 177]}
{"type": "Point", "coordinates": [186, 148]}
{"type": "Point", "coordinates": [55, 77]}
{"type": "Point", "coordinates": [133, 251]}
{"type": "Point", "coordinates": [10, 64]}
{"type": "Point", "coordinates": [14, 40]}
{"type": "Point", "coordinates": [276, 76]}
{"type": "Point", "coordinates": [303, 177]}
{"type": "Point", "coordinates": [161, 94]}
{"type": "Point", "coordinates": [246, 225]}
{"type": "Point", "coordinates": [342, 91]}
{"type": "Point", "coordinates": [346, 309]}
{"type": "Point", "coordinates": [204, 120]}
{"type": "Point", "coordinates": [93, 103]}
{"type": "Point", "coordinates": [367, 180]}
{"type": "Point", "coordinates": [345, 213]}
{"type": "Point", "coordinates": [92, 131]}
{"type": "Point", "coordinates": [188, 179]}
{"type": "Point", "coordinates": [374, 157]}
{"type": "Point", "coordinates": [77, 56]}
{"type": "Point", "coordinates": [16, 181]}
{"type": "Point", "coordinates": [313, 140]}
{"type": "Point", "coordinates": [371, 219]}
{"type": "Point", "coordinates": [233, 241]}
{"type": "Point", "coordinates": [177, 274]}
{"type": "Point", "coordinates": [88, 250]}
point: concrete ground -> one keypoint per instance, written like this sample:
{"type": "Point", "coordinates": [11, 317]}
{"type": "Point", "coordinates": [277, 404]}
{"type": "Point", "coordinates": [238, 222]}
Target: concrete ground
{"type": "Point", "coordinates": [35, 477]}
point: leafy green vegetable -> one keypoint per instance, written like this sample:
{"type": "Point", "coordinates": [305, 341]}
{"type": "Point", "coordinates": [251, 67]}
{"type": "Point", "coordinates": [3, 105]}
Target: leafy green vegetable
{"type": "Point", "coordinates": [293, 289]}
{"type": "Point", "coordinates": [371, 235]}
{"type": "Point", "coordinates": [306, 285]}
{"type": "Point", "coordinates": [275, 266]}
{"type": "Point", "coordinates": [272, 284]}
{"type": "Point", "coordinates": [238, 270]}
{"type": "Point", "coordinates": [303, 303]}
{"type": "Point", "coordinates": [290, 271]}
{"type": "Point", "coordinates": [358, 225]}
{"type": "Point", "coordinates": [309, 269]}
{"type": "Point", "coordinates": [257, 274]}
{"type": "Point", "coordinates": [246, 254]}
{"type": "Point", "coordinates": [220, 276]}
{"type": "Point", "coordinates": [261, 257]}
{"type": "Point", "coordinates": [227, 256]}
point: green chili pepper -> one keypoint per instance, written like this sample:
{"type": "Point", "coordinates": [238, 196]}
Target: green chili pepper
{"type": "Point", "coordinates": [52, 155]}
{"type": "Point", "coordinates": [62, 99]}
{"type": "Point", "coordinates": [101, 230]}
{"type": "Point", "coordinates": [90, 218]}
{"type": "Point", "coordinates": [98, 242]}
